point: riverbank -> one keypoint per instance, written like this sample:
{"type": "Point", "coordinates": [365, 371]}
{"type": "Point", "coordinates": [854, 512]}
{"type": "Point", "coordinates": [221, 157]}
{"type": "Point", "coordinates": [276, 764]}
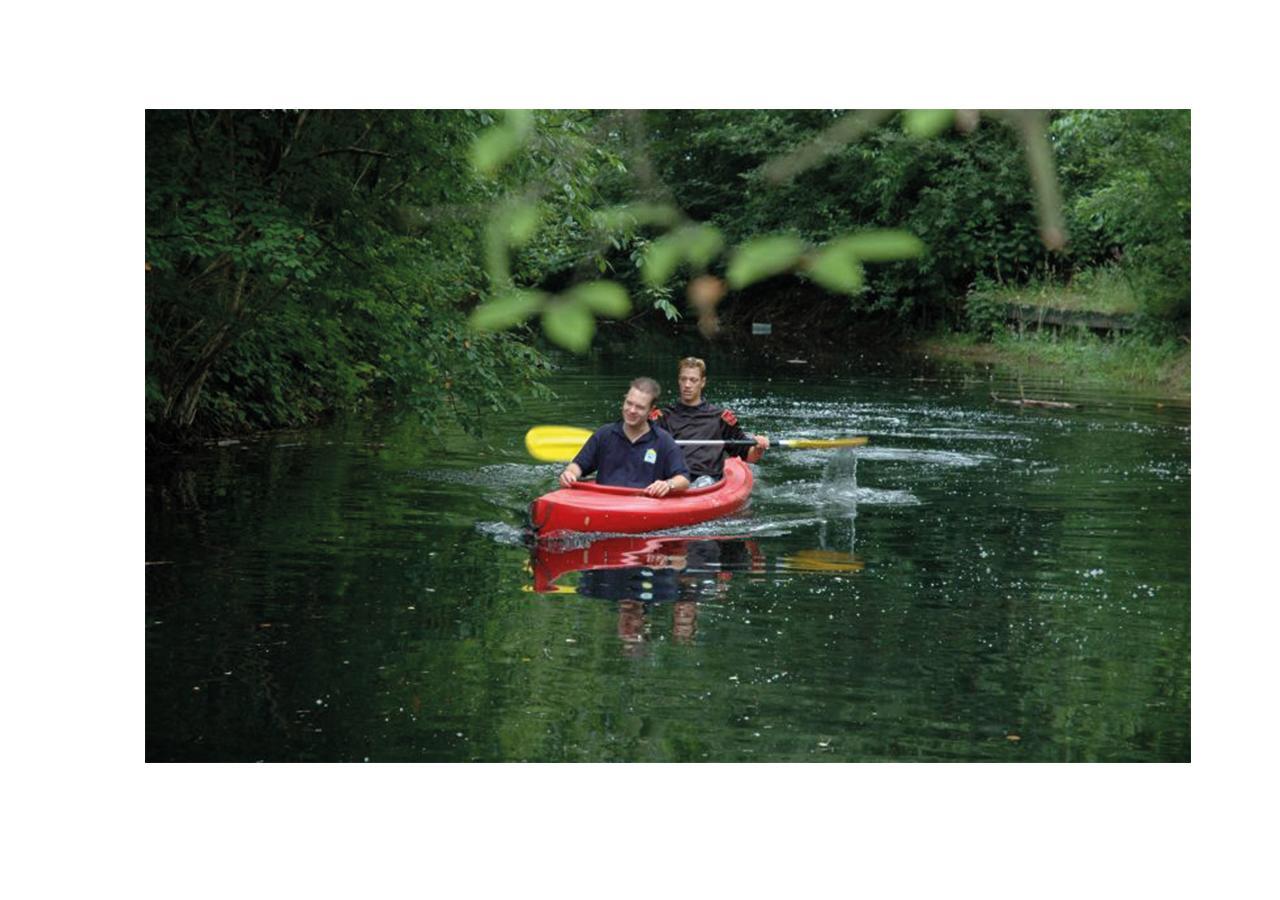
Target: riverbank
{"type": "Point", "coordinates": [1133, 363]}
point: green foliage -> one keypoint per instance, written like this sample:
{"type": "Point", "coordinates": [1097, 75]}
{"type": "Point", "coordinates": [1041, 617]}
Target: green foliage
{"type": "Point", "coordinates": [664, 305]}
{"type": "Point", "coordinates": [836, 269]}
{"type": "Point", "coordinates": [938, 208]}
{"type": "Point", "coordinates": [966, 196]}
{"type": "Point", "coordinates": [569, 324]}
{"type": "Point", "coordinates": [927, 123]}
{"type": "Point", "coordinates": [1128, 177]}
{"type": "Point", "coordinates": [495, 146]}
{"type": "Point", "coordinates": [881, 246]}
{"type": "Point", "coordinates": [762, 258]}
{"type": "Point", "coordinates": [301, 263]}
{"type": "Point", "coordinates": [568, 320]}
{"type": "Point", "coordinates": [696, 245]}
{"type": "Point", "coordinates": [838, 265]}
{"type": "Point", "coordinates": [520, 223]}
{"type": "Point", "coordinates": [658, 296]}
{"type": "Point", "coordinates": [507, 311]}
{"type": "Point", "coordinates": [985, 310]}
{"type": "Point", "coordinates": [662, 259]}
{"type": "Point", "coordinates": [634, 215]}
{"type": "Point", "coordinates": [602, 298]}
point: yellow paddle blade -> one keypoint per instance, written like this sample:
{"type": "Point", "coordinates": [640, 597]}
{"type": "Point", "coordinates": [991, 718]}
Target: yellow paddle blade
{"type": "Point", "coordinates": [821, 443]}
{"type": "Point", "coordinates": [555, 443]}
{"type": "Point", "coordinates": [554, 589]}
{"type": "Point", "coordinates": [822, 561]}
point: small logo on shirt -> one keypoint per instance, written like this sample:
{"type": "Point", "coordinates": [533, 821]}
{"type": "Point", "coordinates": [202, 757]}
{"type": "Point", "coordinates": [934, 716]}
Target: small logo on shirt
{"type": "Point", "coordinates": [651, 455]}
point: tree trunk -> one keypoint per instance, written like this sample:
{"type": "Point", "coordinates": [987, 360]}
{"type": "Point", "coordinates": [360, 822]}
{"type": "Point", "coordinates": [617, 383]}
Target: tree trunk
{"type": "Point", "coordinates": [183, 403]}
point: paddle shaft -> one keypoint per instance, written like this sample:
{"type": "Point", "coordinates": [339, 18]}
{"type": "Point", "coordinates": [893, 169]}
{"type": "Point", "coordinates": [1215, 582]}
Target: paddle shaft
{"type": "Point", "coordinates": [559, 443]}
{"type": "Point", "coordinates": [784, 443]}
{"type": "Point", "coordinates": [727, 443]}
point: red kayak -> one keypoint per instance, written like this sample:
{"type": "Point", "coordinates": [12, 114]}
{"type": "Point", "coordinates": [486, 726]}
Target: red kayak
{"type": "Point", "coordinates": [591, 507]}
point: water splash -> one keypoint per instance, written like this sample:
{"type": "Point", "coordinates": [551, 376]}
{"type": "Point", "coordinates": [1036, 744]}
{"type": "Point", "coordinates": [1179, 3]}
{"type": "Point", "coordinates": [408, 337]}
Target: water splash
{"type": "Point", "coordinates": [503, 533]}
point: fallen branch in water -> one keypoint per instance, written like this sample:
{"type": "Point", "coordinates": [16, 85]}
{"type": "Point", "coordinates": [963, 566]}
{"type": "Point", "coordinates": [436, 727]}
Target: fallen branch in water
{"type": "Point", "coordinates": [1051, 404]}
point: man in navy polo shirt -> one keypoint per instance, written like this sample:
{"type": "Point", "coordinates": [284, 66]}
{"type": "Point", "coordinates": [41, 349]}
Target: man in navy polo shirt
{"type": "Point", "coordinates": [630, 453]}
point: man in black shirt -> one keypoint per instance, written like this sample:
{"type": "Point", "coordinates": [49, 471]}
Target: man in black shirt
{"type": "Point", "coordinates": [694, 419]}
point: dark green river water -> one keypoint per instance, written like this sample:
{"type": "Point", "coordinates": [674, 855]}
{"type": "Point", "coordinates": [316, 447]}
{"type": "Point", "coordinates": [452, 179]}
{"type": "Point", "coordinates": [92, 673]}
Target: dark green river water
{"type": "Point", "coordinates": [980, 582]}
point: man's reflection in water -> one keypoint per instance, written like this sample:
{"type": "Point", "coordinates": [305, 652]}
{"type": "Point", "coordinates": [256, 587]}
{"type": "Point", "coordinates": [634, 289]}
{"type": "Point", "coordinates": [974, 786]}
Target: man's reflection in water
{"type": "Point", "coordinates": [631, 626]}
{"type": "Point", "coordinates": [684, 621]}
{"type": "Point", "coordinates": [681, 574]}
{"type": "Point", "coordinates": [636, 589]}
{"type": "Point", "coordinates": [634, 622]}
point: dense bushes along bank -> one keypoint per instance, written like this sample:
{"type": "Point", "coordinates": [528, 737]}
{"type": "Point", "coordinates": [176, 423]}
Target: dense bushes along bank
{"type": "Point", "coordinates": [302, 262]}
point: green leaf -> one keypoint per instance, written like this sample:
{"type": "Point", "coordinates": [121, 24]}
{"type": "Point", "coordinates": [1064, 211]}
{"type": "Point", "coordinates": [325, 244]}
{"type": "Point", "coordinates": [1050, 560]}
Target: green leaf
{"type": "Point", "coordinates": [570, 325]}
{"type": "Point", "coordinates": [837, 270]}
{"type": "Point", "coordinates": [762, 258]}
{"type": "Point", "coordinates": [520, 121]}
{"type": "Point", "coordinates": [661, 259]}
{"type": "Point", "coordinates": [521, 223]}
{"type": "Point", "coordinates": [506, 311]}
{"type": "Point", "coordinates": [881, 246]}
{"type": "Point", "coordinates": [494, 146]}
{"type": "Point", "coordinates": [927, 123]}
{"type": "Point", "coordinates": [620, 218]}
{"type": "Point", "coordinates": [668, 310]}
{"type": "Point", "coordinates": [701, 244]}
{"type": "Point", "coordinates": [604, 298]}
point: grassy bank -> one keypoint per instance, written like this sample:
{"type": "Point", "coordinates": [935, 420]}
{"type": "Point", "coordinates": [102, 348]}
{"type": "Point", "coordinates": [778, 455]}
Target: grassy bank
{"type": "Point", "coordinates": [1132, 362]}
{"type": "Point", "coordinates": [1108, 290]}
{"type": "Point", "coordinates": [1150, 358]}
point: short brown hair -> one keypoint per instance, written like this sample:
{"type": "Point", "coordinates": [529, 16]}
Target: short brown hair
{"type": "Point", "coordinates": [646, 385]}
{"type": "Point", "coordinates": [692, 362]}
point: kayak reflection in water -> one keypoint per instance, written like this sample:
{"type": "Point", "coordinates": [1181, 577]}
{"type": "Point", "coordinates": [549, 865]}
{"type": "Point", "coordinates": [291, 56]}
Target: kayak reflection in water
{"type": "Point", "coordinates": [645, 574]}
{"type": "Point", "coordinates": [713, 559]}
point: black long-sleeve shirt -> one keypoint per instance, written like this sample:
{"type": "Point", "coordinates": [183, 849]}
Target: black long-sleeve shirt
{"type": "Point", "coordinates": [703, 422]}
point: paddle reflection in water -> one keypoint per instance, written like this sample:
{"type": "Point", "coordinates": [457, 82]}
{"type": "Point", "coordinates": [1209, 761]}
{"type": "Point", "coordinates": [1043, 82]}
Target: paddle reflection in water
{"type": "Point", "coordinates": [643, 573]}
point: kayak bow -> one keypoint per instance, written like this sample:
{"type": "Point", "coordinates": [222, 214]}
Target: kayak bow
{"type": "Point", "coordinates": [591, 507]}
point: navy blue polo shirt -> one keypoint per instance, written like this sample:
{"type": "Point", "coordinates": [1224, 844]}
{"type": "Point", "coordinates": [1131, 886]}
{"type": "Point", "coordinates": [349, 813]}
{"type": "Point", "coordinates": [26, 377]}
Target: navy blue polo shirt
{"type": "Point", "coordinates": [653, 456]}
